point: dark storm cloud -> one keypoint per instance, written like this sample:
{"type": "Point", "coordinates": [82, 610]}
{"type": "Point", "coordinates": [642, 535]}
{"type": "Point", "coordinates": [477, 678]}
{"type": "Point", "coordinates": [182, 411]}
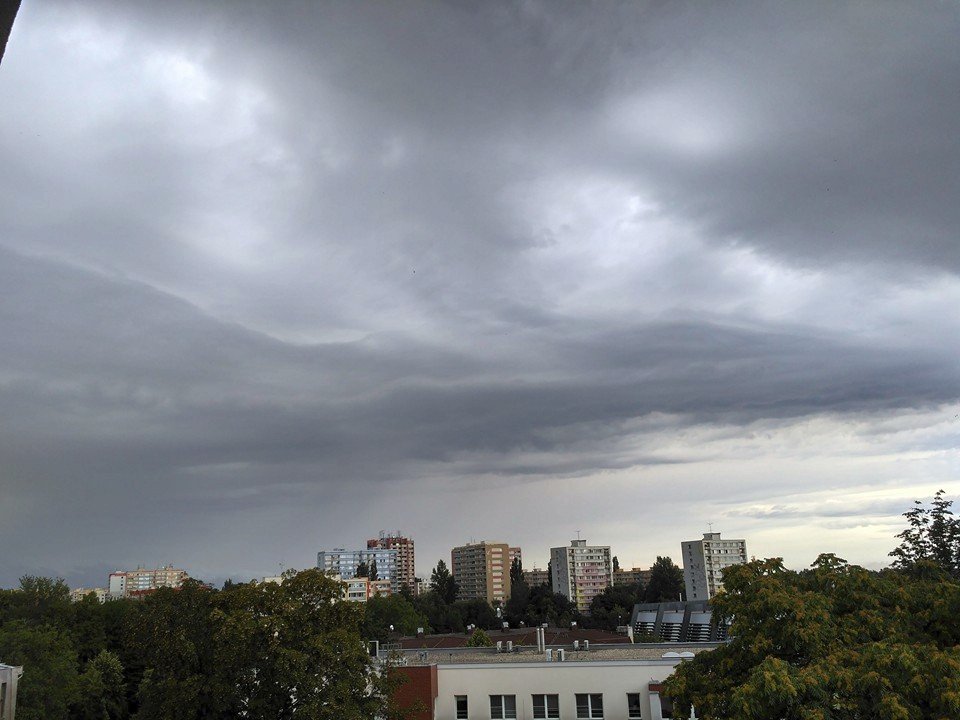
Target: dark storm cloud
{"type": "Point", "coordinates": [255, 256]}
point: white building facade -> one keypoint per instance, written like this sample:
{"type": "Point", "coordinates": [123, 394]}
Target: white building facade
{"type": "Point", "coordinates": [134, 583]}
{"type": "Point", "coordinates": [581, 572]}
{"type": "Point", "coordinates": [9, 679]}
{"type": "Point", "coordinates": [704, 561]}
{"type": "Point", "coordinates": [344, 563]}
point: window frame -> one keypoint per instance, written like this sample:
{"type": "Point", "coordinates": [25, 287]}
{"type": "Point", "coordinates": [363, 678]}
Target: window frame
{"type": "Point", "coordinates": [546, 709]}
{"type": "Point", "coordinates": [638, 706]}
{"type": "Point", "coordinates": [456, 707]}
{"type": "Point", "coordinates": [594, 706]}
{"type": "Point", "coordinates": [501, 700]}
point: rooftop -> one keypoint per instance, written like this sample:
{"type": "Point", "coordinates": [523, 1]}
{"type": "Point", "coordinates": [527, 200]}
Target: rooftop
{"type": "Point", "coordinates": [524, 655]}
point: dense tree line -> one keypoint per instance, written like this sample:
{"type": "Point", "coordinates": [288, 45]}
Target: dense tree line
{"type": "Point", "coordinates": [271, 650]}
{"type": "Point", "coordinates": [836, 641]}
{"type": "Point", "coordinates": [439, 611]}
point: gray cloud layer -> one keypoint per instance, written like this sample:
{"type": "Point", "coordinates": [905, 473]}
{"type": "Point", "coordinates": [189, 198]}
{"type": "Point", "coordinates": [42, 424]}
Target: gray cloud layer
{"type": "Point", "coordinates": [257, 259]}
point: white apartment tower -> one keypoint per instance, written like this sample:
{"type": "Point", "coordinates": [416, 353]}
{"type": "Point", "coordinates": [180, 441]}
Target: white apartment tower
{"type": "Point", "coordinates": [343, 563]}
{"type": "Point", "coordinates": [581, 572]}
{"type": "Point", "coordinates": [704, 560]}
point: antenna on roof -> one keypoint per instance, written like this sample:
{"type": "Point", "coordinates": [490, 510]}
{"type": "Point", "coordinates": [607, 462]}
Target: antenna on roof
{"type": "Point", "coordinates": [578, 534]}
{"type": "Point", "coordinates": [710, 525]}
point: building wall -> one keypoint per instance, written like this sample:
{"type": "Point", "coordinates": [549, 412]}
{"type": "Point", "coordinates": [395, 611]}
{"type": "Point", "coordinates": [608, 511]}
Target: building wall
{"type": "Point", "coordinates": [704, 561]}
{"type": "Point", "coordinates": [9, 679]}
{"type": "Point", "coordinates": [631, 577]}
{"type": "Point", "coordinates": [612, 679]}
{"type": "Point", "coordinates": [416, 693]}
{"type": "Point", "coordinates": [344, 563]}
{"type": "Point", "coordinates": [482, 570]}
{"type": "Point", "coordinates": [128, 583]}
{"type": "Point", "coordinates": [581, 572]}
{"type": "Point", "coordinates": [406, 558]}
{"type": "Point", "coordinates": [536, 577]}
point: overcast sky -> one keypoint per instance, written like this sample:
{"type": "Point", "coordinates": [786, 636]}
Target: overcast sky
{"type": "Point", "coordinates": [277, 276]}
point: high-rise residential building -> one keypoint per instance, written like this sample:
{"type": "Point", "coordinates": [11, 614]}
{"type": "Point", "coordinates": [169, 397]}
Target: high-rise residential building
{"type": "Point", "coordinates": [631, 577]}
{"type": "Point", "coordinates": [581, 572]}
{"type": "Point", "coordinates": [536, 577]}
{"type": "Point", "coordinates": [516, 554]}
{"type": "Point", "coordinates": [704, 561]}
{"type": "Point", "coordinates": [482, 570]}
{"type": "Point", "coordinates": [139, 582]}
{"type": "Point", "coordinates": [344, 563]}
{"type": "Point", "coordinates": [406, 561]}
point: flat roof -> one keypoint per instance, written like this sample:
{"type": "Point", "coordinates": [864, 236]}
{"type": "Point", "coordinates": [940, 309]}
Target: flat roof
{"type": "Point", "coordinates": [526, 655]}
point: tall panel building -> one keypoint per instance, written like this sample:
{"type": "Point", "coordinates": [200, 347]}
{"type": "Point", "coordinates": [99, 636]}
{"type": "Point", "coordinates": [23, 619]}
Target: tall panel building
{"type": "Point", "coordinates": [704, 560]}
{"type": "Point", "coordinates": [406, 561]}
{"type": "Point", "coordinates": [581, 572]}
{"type": "Point", "coordinates": [344, 563]}
{"type": "Point", "coordinates": [482, 570]}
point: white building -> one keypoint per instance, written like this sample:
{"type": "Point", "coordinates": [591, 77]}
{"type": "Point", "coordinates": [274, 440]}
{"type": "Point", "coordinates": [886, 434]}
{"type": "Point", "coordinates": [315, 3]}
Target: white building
{"type": "Point", "coordinates": [78, 594]}
{"type": "Point", "coordinates": [344, 563]}
{"type": "Point", "coordinates": [581, 572]}
{"type": "Point", "coordinates": [135, 583]}
{"type": "Point", "coordinates": [704, 560]}
{"type": "Point", "coordinates": [9, 679]}
{"type": "Point", "coordinates": [621, 683]}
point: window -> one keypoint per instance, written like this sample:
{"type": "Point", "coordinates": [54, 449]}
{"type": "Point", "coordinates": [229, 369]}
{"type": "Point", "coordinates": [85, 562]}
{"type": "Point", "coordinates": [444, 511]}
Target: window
{"type": "Point", "coordinates": [461, 701]}
{"type": "Point", "coordinates": [589, 706]}
{"type": "Point", "coordinates": [546, 706]}
{"type": "Point", "coordinates": [503, 707]}
{"type": "Point", "coordinates": [633, 706]}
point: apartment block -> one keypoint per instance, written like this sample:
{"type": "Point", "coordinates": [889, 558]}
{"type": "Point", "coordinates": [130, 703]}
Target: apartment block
{"type": "Point", "coordinates": [362, 589]}
{"type": "Point", "coordinates": [78, 594]}
{"type": "Point", "coordinates": [139, 582]}
{"type": "Point", "coordinates": [581, 572]}
{"type": "Point", "coordinates": [406, 559]}
{"type": "Point", "coordinates": [631, 577]}
{"type": "Point", "coordinates": [536, 577]}
{"type": "Point", "coordinates": [344, 563]}
{"type": "Point", "coordinates": [482, 570]}
{"type": "Point", "coordinates": [704, 561]}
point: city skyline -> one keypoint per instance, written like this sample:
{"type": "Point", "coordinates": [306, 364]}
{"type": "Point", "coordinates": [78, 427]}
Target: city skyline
{"type": "Point", "coordinates": [273, 273]}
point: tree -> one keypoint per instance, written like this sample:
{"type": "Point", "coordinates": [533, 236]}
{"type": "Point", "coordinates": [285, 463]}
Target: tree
{"type": "Point", "coordinates": [374, 574]}
{"type": "Point", "coordinates": [666, 581]}
{"type": "Point", "coordinates": [443, 584]}
{"type": "Point", "coordinates": [932, 534]}
{"type": "Point", "coordinates": [174, 635]}
{"type": "Point", "coordinates": [103, 694]}
{"type": "Point", "coordinates": [383, 611]}
{"type": "Point", "coordinates": [295, 650]}
{"type": "Point", "coordinates": [49, 685]}
{"type": "Point", "coordinates": [516, 572]}
{"type": "Point", "coordinates": [616, 564]}
{"type": "Point", "coordinates": [614, 606]}
{"type": "Point", "coordinates": [479, 638]}
{"type": "Point", "coordinates": [362, 570]}
{"type": "Point", "coordinates": [547, 606]}
{"type": "Point", "coordinates": [478, 612]}
{"type": "Point", "coordinates": [832, 642]}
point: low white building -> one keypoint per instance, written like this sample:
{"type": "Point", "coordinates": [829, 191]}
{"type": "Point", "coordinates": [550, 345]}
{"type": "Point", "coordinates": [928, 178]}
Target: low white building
{"type": "Point", "coordinates": [609, 683]}
{"type": "Point", "coordinates": [9, 679]}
